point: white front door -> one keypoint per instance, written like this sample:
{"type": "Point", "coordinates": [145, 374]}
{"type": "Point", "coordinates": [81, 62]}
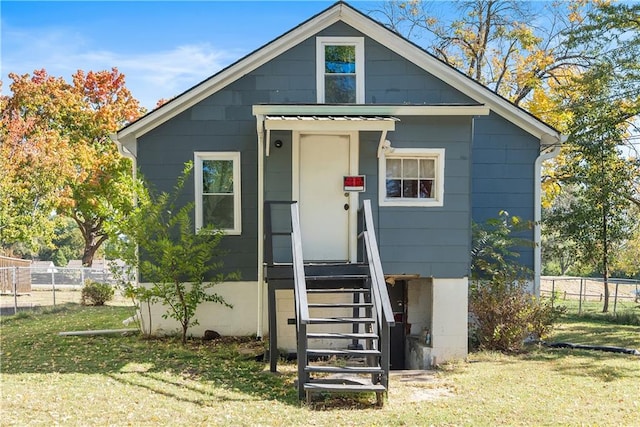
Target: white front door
{"type": "Point", "coordinates": [327, 213]}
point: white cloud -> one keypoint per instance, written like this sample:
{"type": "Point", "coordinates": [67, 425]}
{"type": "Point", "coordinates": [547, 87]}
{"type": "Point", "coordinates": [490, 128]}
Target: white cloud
{"type": "Point", "coordinates": [150, 75]}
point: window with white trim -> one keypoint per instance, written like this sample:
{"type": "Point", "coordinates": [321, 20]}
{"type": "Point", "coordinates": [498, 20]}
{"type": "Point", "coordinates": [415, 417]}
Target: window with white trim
{"type": "Point", "coordinates": [217, 191]}
{"type": "Point", "coordinates": [340, 70]}
{"type": "Point", "coordinates": [412, 177]}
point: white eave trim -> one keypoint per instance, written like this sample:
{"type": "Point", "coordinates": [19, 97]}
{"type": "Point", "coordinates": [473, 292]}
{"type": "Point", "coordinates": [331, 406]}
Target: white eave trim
{"type": "Point", "coordinates": [371, 109]}
{"type": "Point", "coordinates": [371, 29]}
{"type": "Point", "coordinates": [448, 75]}
{"type": "Point", "coordinates": [233, 72]}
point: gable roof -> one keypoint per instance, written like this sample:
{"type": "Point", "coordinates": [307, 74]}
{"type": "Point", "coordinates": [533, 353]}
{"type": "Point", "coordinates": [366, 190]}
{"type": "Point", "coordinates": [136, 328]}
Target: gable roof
{"type": "Point", "coordinates": [341, 11]}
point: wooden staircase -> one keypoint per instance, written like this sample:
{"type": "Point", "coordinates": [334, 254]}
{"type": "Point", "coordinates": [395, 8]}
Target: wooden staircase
{"type": "Point", "coordinates": [343, 316]}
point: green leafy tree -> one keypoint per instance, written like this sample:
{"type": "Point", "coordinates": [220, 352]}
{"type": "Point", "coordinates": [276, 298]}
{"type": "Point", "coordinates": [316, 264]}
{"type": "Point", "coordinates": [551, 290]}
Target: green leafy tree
{"type": "Point", "coordinates": [181, 265]}
{"type": "Point", "coordinates": [604, 100]}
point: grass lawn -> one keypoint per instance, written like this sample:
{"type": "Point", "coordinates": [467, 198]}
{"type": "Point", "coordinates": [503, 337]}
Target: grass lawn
{"type": "Point", "coordinates": [127, 380]}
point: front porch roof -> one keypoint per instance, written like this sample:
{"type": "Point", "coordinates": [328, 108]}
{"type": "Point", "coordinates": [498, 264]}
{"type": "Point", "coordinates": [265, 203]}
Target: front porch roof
{"type": "Point", "coordinates": [369, 110]}
{"type": "Point", "coordinates": [335, 123]}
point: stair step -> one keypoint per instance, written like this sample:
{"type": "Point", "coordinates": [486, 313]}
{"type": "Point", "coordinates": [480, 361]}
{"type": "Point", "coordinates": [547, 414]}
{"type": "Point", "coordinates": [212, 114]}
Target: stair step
{"type": "Point", "coordinates": [345, 369]}
{"type": "Point", "coordinates": [341, 352]}
{"type": "Point", "coordinates": [337, 277]}
{"type": "Point", "coordinates": [378, 388]}
{"type": "Point", "coordinates": [341, 304]}
{"type": "Point", "coordinates": [338, 291]}
{"type": "Point", "coordinates": [320, 320]}
{"type": "Point", "coordinates": [337, 335]}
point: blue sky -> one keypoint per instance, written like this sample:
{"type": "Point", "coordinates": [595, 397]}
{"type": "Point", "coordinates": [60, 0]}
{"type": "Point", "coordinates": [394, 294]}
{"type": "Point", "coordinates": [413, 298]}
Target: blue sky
{"type": "Point", "coordinates": [162, 47]}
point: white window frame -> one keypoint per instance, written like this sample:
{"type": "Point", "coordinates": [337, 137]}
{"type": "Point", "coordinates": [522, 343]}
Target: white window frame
{"type": "Point", "coordinates": [358, 42]}
{"type": "Point", "coordinates": [234, 156]}
{"type": "Point", "coordinates": [438, 154]}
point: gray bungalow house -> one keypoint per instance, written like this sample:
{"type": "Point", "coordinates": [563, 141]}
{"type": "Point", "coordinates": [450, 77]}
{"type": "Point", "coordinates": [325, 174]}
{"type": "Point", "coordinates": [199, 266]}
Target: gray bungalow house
{"type": "Point", "coordinates": [339, 111]}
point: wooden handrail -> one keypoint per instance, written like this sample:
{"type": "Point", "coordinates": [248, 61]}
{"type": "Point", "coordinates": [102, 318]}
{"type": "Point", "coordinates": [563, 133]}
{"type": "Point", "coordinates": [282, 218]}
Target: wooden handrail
{"type": "Point", "coordinates": [378, 286]}
{"type": "Point", "coordinates": [299, 281]}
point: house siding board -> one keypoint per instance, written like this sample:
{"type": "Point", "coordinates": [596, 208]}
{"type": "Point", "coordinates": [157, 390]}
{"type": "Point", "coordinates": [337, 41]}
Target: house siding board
{"type": "Point", "coordinates": [503, 174]}
{"type": "Point", "coordinates": [211, 125]}
{"type": "Point", "coordinates": [503, 155]}
{"type": "Point", "coordinates": [422, 240]}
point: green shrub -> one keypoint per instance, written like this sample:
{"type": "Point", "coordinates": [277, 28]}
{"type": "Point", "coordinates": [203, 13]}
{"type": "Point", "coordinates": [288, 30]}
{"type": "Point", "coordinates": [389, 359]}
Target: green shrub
{"type": "Point", "coordinates": [96, 293]}
{"type": "Point", "coordinates": [502, 310]}
{"type": "Point", "coordinates": [504, 315]}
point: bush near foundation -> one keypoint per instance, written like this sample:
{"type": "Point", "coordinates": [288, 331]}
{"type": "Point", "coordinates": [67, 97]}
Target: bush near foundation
{"type": "Point", "coordinates": [502, 310]}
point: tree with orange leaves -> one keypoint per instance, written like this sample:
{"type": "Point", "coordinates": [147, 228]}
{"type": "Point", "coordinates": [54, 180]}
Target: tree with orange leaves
{"type": "Point", "coordinates": [57, 157]}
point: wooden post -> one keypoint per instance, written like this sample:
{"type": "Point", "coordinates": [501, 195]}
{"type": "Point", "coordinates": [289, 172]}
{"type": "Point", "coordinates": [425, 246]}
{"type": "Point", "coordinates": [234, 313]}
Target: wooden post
{"type": "Point", "coordinates": [615, 299]}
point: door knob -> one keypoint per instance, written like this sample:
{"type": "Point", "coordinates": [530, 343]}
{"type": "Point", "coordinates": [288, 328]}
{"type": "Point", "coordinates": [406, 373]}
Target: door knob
{"type": "Point", "coordinates": [346, 206]}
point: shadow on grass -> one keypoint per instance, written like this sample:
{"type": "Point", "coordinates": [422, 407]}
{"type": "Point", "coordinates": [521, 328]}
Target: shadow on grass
{"type": "Point", "coordinates": [31, 345]}
{"type": "Point", "coordinates": [598, 365]}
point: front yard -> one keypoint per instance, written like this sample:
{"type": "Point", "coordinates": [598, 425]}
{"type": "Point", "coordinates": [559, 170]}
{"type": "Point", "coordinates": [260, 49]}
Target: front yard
{"type": "Point", "coordinates": [127, 380]}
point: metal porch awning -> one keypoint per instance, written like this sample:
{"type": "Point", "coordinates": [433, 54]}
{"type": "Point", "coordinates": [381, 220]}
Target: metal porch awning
{"type": "Point", "coordinates": [332, 123]}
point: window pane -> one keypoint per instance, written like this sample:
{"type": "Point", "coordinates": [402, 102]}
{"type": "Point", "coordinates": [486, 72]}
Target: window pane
{"type": "Point", "coordinates": [340, 89]}
{"type": "Point", "coordinates": [394, 168]}
{"type": "Point", "coordinates": [217, 211]}
{"type": "Point", "coordinates": [340, 59]}
{"type": "Point", "coordinates": [217, 176]}
{"type": "Point", "coordinates": [410, 168]}
{"type": "Point", "coordinates": [393, 188]}
{"type": "Point", "coordinates": [427, 168]}
{"type": "Point", "coordinates": [410, 188]}
{"type": "Point", "coordinates": [426, 189]}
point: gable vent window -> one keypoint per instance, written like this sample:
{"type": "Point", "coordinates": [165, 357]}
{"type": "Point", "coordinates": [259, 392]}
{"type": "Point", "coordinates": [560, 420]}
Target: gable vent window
{"type": "Point", "coordinates": [217, 185]}
{"type": "Point", "coordinates": [412, 177]}
{"type": "Point", "coordinates": [340, 70]}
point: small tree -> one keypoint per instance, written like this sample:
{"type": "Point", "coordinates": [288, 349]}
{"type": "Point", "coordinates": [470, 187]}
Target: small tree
{"type": "Point", "coordinates": [182, 265]}
{"type": "Point", "coordinates": [503, 311]}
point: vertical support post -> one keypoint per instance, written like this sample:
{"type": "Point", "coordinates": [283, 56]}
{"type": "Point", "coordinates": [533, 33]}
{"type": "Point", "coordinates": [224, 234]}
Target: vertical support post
{"type": "Point", "coordinates": [615, 299]}
{"type": "Point", "coordinates": [53, 285]}
{"type": "Point", "coordinates": [302, 358]}
{"type": "Point", "coordinates": [553, 291]}
{"type": "Point", "coordinates": [580, 298]}
{"type": "Point", "coordinates": [82, 276]}
{"type": "Point", "coordinates": [273, 328]}
{"type": "Point", "coordinates": [385, 349]}
{"type": "Point", "coordinates": [15, 289]}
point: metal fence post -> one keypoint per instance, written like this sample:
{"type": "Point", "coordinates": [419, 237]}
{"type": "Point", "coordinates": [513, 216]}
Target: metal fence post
{"type": "Point", "coordinates": [615, 299]}
{"type": "Point", "coordinates": [53, 285]}
{"type": "Point", "coordinates": [553, 291]}
{"type": "Point", "coordinates": [580, 298]}
{"type": "Point", "coordinates": [15, 290]}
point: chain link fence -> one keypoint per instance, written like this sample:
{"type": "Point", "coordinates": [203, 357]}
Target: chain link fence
{"type": "Point", "coordinates": [25, 288]}
{"type": "Point", "coordinates": [586, 294]}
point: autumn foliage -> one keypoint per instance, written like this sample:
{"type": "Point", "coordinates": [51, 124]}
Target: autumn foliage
{"type": "Point", "coordinates": [57, 158]}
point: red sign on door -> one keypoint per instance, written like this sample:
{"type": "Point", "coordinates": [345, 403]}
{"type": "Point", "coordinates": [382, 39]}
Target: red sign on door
{"type": "Point", "coordinates": [354, 183]}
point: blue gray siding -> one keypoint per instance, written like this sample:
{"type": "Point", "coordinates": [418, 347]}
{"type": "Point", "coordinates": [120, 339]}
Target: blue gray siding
{"type": "Point", "coordinates": [428, 241]}
{"type": "Point", "coordinates": [503, 174]}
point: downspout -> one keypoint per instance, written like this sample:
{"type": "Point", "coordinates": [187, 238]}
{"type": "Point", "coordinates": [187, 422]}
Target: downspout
{"type": "Point", "coordinates": [260, 132]}
{"type": "Point", "coordinates": [546, 154]}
